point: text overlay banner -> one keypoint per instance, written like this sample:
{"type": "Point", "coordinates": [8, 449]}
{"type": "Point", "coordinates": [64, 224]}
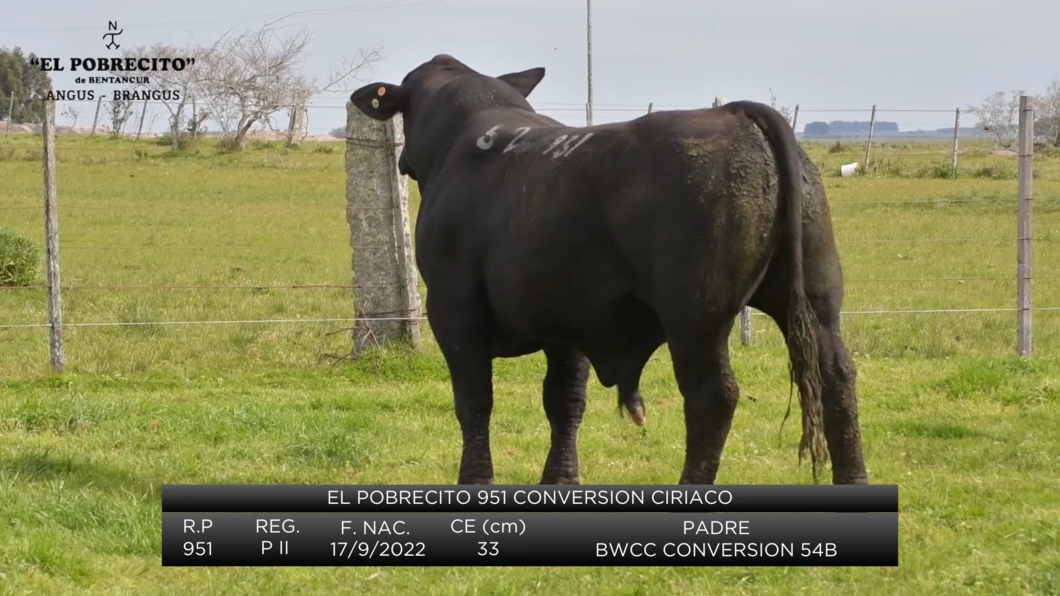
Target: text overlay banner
{"type": "Point", "coordinates": [529, 539]}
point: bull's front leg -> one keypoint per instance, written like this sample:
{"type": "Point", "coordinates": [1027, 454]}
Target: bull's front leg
{"type": "Point", "coordinates": [461, 329]}
{"type": "Point", "coordinates": [473, 393]}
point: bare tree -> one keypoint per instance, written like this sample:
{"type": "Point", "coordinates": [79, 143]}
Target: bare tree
{"type": "Point", "coordinates": [999, 116]}
{"type": "Point", "coordinates": [196, 123]}
{"type": "Point", "coordinates": [350, 70]}
{"type": "Point", "coordinates": [120, 111]}
{"type": "Point", "coordinates": [1047, 116]}
{"type": "Point", "coordinates": [70, 111]}
{"type": "Point", "coordinates": [172, 88]}
{"type": "Point", "coordinates": [246, 79]}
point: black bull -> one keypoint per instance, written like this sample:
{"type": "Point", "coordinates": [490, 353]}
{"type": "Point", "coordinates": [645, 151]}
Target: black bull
{"type": "Point", "coordinates": [599, 244]}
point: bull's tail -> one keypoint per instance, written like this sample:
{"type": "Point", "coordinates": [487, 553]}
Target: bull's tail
{"type": "Point", "coordinates": [801, 323]}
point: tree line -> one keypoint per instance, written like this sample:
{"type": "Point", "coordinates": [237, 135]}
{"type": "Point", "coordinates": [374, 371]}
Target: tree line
{"type": "Point", "coordinates": [20, 84]}
{"type": "Point", "coordinates": [844, 127]}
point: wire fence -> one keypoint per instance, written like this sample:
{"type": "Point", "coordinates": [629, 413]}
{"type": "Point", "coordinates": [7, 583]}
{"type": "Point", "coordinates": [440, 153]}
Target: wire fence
{"type": "Point", "coordinates": [327, 112]}
{"type": "Point", "coordinates": [845, 210]}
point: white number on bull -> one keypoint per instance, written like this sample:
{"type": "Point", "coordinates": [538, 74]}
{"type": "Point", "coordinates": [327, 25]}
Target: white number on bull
{"type": "Point", "coordinates": [486, 140]}
{"type": "Point", "coordinates": [567, 146]}
{"type": "Point", "coordinates": [576, 145]}
{"type": "Point", "coordinates": [554, 143]}
{"type": "Point", "coordinates": [570, 145]}
{"type": "Point", "coordinates": [519, 132]}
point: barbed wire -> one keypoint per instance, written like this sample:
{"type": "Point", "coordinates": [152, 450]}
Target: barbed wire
{"type": "Point", "coordinates": [219, 247]}
{"type": "Point", "coordinates": [157, 150]}
{"type": "Point", "coordinates": [424, 318]}
{"type": "Point", "coordinates": [338, 207]}
{"type": "Point", "coordinates": [880, 149]}
{"type": "Point", "coordinates": [256, 287]}
{"type": "Point", "coordinates": [217, 322]}
{"type": "Point", "coordinates": [574, 106]}
{"type": "Point", "coordinates": [353, 287]}
{"type": "Point", "coordinates": [193, 287]}
{"type": "Point", "coordinates": [387, 246]}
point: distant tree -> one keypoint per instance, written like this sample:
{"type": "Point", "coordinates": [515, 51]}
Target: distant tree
{"type": "Point", "coordinates": [861, 126]}
{"type": "Point", "coordinates": [70, 111]}
{"type": "Point", "coordinates": [338, 133]}
{"type": "Point", "coordinates": [999, 116]}
{"type": "Point", "coordinates": [176, 86]}
{"type": "Point", "coordinates": [120, 111]}
{"type": "Point", "coordinates": [195, 123]}
{"type": "Point", "coordinates": [26, 83]}
{"type": "Point", "coordinates": [816, 128]}
{"type": "Point", "coordinates": [1047, 114]}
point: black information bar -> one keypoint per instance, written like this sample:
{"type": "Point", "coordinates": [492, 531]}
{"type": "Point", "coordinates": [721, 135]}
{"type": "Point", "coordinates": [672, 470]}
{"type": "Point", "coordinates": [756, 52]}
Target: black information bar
{"type": "Point", "coordinates": [820, 498]}
{"type": "Point", "coordinates": [529, 539]}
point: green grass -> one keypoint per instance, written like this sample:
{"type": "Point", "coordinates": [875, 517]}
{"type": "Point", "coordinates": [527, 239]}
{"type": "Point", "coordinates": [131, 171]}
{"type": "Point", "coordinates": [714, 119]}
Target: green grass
{"type": "Point", "coordinates": [967, 430]}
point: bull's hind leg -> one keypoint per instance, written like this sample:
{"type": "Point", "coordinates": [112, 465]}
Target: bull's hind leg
{"type": "Point", "coordinates": [564, 397]}
{"type": "Point", "coordinates": [706, 380]}
{"type": "Point", "coordinates": [839, 396]}
{"type": "Point", "coordinates": [838, 376]}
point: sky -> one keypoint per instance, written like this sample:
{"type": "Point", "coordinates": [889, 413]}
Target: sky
{"type": "Point", "coordinates": [835, 59]}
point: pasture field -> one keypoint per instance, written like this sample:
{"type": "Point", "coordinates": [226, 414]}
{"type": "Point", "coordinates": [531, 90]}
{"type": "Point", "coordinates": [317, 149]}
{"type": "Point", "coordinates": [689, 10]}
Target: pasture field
{"type": "Point", "coordinates": [966, 429]}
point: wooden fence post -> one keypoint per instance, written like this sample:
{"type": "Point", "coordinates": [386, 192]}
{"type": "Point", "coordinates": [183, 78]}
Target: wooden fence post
{"type": "Point", "coordinates": [956, 137]}
{"type": "Point", "coordinates": [10, 114]}
{"type": "Point", "coordinates": [649, 107]}
{"type": "Point", "coordinates": [142, 115]}
{"type": "Point", "coordinates": [51, 237]}
{"type": "Point", "coordinates": [795, 119]}
{"type": "Point", "coordinates": [868, 145]}
{"type": "Point", "coordinates": [386, 284]}
{"type": "Point", "coordinates": [1023, 228]}
{"type": "Point", "coordinates": [95, 119]}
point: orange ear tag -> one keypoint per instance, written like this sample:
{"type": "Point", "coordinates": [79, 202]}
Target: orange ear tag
{"type": "Point", "coordinates": [382, 91]}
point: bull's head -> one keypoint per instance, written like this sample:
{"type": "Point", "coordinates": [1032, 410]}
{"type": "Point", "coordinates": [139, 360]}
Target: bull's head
{"type": "Point", "coordinates": [434, 100]}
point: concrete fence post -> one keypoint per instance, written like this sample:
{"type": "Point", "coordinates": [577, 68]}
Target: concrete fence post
{"type": "Point", "coordinates": [385, 281]}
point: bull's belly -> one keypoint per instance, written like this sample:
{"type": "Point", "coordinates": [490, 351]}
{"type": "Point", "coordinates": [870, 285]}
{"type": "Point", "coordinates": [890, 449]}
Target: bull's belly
{"type": "Point", "coordinates": [558, 306]}
{"type": "Point", "coordinates": [610, 328]}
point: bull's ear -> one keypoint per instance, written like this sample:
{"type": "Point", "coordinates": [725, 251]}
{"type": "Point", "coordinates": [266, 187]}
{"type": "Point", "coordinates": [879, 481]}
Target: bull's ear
{"type": "Point", "coordinates": [525, 81]}
{"type": "Point", "coordinates": [380, 100]}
